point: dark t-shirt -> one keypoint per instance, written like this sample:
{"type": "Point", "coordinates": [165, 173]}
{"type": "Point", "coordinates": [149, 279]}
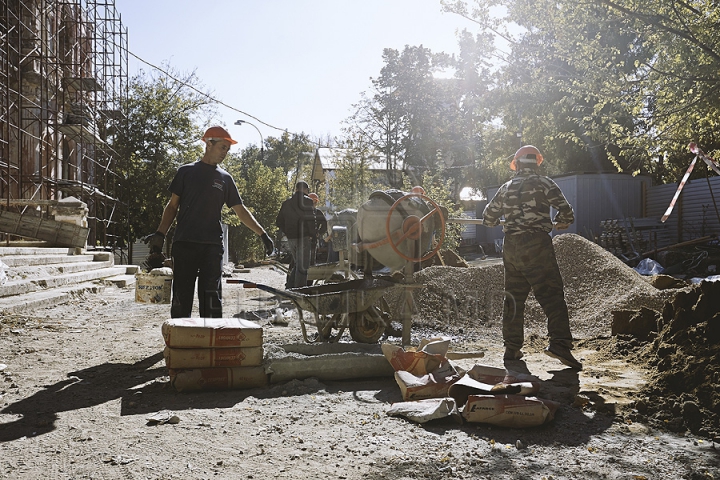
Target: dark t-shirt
{"type": "Point", "coordinates": [203, 190]}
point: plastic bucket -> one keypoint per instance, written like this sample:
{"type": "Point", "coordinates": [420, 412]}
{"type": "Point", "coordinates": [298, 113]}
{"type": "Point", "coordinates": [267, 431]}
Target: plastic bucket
{"type": "Point", "coordinates": [152, 288]}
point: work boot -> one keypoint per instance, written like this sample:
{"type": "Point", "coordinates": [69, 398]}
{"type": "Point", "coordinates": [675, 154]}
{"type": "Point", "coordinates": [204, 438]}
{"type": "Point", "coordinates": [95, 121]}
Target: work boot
{"type": "Point", "coordinates": [512, 354]}
{"type": "Point", "coordinates": [563, 354]}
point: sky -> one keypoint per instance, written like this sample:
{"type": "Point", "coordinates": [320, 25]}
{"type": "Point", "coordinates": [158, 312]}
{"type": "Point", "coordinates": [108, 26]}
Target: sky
{"type": "Point", "coordinates": [298, 65]}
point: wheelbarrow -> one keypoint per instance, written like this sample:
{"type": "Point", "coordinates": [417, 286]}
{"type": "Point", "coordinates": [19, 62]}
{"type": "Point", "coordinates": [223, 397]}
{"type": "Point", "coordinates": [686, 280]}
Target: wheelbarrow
{"type": "Point", "coordinates": [357, 305]}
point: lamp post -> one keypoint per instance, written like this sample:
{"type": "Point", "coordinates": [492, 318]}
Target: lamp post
{"type": "Point", "coordinates": [262, 143]}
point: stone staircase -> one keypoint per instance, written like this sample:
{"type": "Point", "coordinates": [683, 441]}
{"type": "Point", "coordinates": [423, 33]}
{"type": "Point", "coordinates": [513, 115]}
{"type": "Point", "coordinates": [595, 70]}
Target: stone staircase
{"type": "Point", "coordinates": [41, 276]}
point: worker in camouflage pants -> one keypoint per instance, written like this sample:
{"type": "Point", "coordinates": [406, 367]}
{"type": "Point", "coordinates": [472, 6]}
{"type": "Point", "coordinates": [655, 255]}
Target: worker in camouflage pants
{"type": "Point", "coordinates": [528, 254]}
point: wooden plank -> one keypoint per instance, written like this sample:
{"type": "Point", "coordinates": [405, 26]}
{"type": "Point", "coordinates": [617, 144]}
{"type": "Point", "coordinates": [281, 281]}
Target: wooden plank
{"type": "Point", "coordinates": [62, 234]}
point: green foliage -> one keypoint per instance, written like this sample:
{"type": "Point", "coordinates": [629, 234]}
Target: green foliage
{"type": "Point", "coordinates": [410, 115]}
{"type": "Point", "coordinates": [353, 181]}
{"type": "Point", "coordinates": [285, 151]}
{"type": "Point", "coordinates": [263, 189]}
{"type": "Point", "coordinates": [162, 133]}
{"type": "Point", "coordinates": [610, 84]}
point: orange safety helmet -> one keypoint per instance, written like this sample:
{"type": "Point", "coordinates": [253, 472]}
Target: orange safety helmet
{"type": "Point", "coordinates": [526, 154]}
{"type": "Point", "coordinates": [217, 133]}
{"type": "Point", "coordinates": [418, 189]}
{"type": "Point", "coordinates": [314, 197]}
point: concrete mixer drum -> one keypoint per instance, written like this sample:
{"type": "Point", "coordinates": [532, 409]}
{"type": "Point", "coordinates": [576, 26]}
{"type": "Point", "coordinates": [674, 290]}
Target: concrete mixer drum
{"type": "Point", "coordinates": [396, 228]}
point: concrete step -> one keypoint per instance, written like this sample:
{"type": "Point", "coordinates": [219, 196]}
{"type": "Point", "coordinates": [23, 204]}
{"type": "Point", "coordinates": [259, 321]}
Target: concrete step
{"type": "Point", "coordinates": [46, 298]}
{"type": "Point", "coordinates": [79, 277]}
{"type": "Point", "coordinates": [5, 251]}
{"type": "Point", "coordinates": [33, 260]}
{"type": "Point", "coordinates": [130, 269]}
{"type": "Point", "coordinates": [26, 286]}
{"type": "Point", "coordinates": [121, 281]}
{"type": "Point", "coordinates": [41, 276]}
{"type": "Point", "coordinates": [35, 271]}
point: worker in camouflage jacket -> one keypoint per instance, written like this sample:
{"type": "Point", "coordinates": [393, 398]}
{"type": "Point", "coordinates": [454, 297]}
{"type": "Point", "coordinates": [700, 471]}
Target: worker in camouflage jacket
{"type": "Point", "coordinates": [528, 254]}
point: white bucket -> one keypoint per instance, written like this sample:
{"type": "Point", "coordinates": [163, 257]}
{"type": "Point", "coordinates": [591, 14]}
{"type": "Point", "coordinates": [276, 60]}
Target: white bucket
{"type": "Point", "coordinates": [152, 288]}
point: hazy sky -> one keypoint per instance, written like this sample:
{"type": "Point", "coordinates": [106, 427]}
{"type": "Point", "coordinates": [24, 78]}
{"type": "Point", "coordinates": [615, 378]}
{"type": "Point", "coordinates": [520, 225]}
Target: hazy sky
{"type": "Point", "coordinates": [294, 64]}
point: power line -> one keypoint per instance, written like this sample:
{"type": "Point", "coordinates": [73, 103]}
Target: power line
{"type": "Point", "coordinates": [213, 99]}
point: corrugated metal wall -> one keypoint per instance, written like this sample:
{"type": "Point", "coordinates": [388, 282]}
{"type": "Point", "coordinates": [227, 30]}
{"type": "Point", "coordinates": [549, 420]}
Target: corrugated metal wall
{"type": "Point", "coordinates": [694, 215]}
{"type": "Point", "coordinates": [594, 197]}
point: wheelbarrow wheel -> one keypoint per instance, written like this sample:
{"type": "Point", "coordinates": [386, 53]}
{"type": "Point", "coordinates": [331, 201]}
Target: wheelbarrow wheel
{"type": "Point", "coordinates": [367, 326]}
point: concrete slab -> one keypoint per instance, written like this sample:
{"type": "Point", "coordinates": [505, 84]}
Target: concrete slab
{"type": "Point", "coordinates": [327, 361]}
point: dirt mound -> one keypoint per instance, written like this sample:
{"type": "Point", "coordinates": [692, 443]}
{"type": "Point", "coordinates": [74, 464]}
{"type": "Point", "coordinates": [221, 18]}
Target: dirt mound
{"type": "Point", "coordinates": [596, 283]}
{"type": "Point", "coordinates": [684, 388]}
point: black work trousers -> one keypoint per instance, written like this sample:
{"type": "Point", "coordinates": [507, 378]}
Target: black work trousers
{"type": "Point", "coordinates": [201, 262]}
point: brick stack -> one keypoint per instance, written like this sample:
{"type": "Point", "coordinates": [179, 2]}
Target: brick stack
{"type": "Point", "coordinates": [213, 353]}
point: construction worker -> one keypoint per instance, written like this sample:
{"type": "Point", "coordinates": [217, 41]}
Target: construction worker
{"type": "Point", "coordinates": [320, 227]}
{"type": "Point", "coordinates": [528, 254]}
{"type": "Point", "coordinates": [198, 193]}
{"type": "Point", "coordinates": [297, 221]}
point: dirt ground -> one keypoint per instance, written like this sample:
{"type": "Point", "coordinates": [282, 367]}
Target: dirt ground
{"type": "Point", "coordinates": [79, 381]}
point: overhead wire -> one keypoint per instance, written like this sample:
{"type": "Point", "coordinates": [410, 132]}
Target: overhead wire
{"type": "Point", "coordinates": [215, 100]}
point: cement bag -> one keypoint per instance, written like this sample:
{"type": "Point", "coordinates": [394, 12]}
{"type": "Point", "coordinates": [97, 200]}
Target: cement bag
{"type": "Point", "coordinates": [432, 385]}
{"type": "Point", "coordinates": [211, 333]}
{"type": "Point", "coordinates": [416, 363]}
{"type": "Point", "coordinates": [186, 380]}
{"type": "Point", "coordinates": [213, 357]}
{"type": "Point", "coordinates": [484, 379]}
{"type": "Point", "coordinates": [513, 411]}
{"type": "Point", "coordinates": [423, 411]}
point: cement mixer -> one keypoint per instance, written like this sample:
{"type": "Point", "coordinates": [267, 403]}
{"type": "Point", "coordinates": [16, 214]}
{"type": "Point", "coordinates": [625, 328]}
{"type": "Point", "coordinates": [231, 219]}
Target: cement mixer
{"type": "Point", "coordinates": [400, 229]}
{"type": "Point", "coordinates": [397, 229]}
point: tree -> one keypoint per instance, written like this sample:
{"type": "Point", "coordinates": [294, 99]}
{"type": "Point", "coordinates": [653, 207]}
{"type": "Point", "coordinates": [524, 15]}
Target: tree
{"type": "Point", "coordinates": [402, 117]}
{"type": "Point", "coordinates": [613, 83]}
{"type": "Point", "coordinates": [353, 182]}
{"type": "Point", "coordinates": [263, 189]}
{"type": "Point", "coordinates": [162, 133]}
{"type": "Point", "coordinates": [283, 152]}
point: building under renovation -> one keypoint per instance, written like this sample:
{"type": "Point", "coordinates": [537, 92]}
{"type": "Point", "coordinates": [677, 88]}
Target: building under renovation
{"type": "Point", "coordinates": [63, 79]}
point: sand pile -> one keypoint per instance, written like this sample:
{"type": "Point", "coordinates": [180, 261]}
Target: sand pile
{"type": "Point", "coordinates": [596, 283]}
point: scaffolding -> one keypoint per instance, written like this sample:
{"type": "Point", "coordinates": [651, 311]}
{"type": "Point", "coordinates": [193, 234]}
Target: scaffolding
{"type": "Point", "coordinates": [63, 82]}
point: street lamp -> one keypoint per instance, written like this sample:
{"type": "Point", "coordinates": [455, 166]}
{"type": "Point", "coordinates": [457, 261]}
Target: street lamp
{"type": "Point", "coordinates": [262, 143]}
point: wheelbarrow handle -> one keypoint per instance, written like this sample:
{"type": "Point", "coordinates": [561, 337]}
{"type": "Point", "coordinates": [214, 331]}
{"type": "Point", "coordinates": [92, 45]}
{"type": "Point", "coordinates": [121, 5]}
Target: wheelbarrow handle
{"type": "Point", "coordinates": [266, 288]}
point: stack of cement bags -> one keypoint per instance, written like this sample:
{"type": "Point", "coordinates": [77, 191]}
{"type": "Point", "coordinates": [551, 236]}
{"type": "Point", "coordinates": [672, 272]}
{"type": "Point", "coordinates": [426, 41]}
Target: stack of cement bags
{"type": "Point", "coordinates": [213, 353]}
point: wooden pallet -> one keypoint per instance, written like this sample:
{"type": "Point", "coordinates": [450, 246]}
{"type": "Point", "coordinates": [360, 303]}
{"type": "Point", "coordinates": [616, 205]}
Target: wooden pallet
{"type": "Point", "coordinates": [61, 234]}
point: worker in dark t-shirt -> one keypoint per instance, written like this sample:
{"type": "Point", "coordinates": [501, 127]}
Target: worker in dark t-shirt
{"type": "Point", "coordinates": [198, 193]}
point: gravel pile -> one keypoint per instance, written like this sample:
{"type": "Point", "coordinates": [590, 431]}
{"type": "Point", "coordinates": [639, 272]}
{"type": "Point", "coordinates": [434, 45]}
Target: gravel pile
{"type": "Point", "coordinates": [596, 283]}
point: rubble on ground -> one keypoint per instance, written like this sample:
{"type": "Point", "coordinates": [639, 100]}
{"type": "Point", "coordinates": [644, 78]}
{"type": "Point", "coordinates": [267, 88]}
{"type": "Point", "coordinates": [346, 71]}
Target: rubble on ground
{"type": "Point", "coordinates": [683, 391]}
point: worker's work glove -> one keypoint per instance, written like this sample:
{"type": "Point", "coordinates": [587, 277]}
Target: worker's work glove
{"type": "Point", "coordinates": [269, 245]}
{"type": "Point", "coordinates": [561, 226]}
{"type": "Point", "coordinates": [155, 241]}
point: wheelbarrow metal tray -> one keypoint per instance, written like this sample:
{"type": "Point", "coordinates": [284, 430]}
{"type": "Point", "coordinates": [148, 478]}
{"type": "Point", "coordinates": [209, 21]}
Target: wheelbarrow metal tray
{"type": "Point", "coordinates": [344, 297]}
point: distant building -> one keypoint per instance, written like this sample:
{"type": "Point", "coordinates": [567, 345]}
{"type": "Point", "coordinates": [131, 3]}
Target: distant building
{"type": "Point", "coordinates": [326, 162]}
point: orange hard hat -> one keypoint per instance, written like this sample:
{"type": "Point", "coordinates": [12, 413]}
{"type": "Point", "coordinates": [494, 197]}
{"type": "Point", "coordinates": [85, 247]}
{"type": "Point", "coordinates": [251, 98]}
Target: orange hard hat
{"type": "Point", "coordinates": [526, 154]}
{"type": "Point", "coordinates": [418, 189]}
{"type": "Point", "coordinates": [217, 133]}
{"type": "Point", "coordinates": [314, 197]}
